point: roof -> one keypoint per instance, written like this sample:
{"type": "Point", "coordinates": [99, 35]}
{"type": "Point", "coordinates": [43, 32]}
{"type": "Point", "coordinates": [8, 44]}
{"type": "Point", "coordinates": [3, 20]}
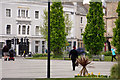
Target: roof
{"type": "Point", "coordinates": [81, 10]}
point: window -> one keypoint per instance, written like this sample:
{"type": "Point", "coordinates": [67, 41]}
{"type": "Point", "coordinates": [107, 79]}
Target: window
{"type": "Point", "coordinates": [8, 29]}
{"type": "Point", "coordinates": [67, 30]}
{"type": "Point", "coordinates": [74, 44]}
{"type": "Point", "coordinates": [43, 46]}
{"type": "Point", "coordinates": [81, 30]}
{"type": "Point", "coordinates": [78, 44]}
{"type": "Point", "coordinates": [36, 14]}
{"type": "Point", "coordinates": [23, 29]}
{"type": "Point", "coordinates": [22, 13]}
{"type": "Point", "coordinates": [28, 30]}
{"type": "Point", "coordinates": [19, 13]}
{"type": "Point", "coordinates": [8, 12]}
{"type": "Point", "coordinates": [81, 45]}
{"type": "Point", "coordinates": [81, 19]}
{"type": "Point", "coordinates": [36, 46]}
{"type": "Point", "coordinates": [70, 45]}
{"type": "Point", "coordinates": [37, 30]}
{"type": "Point", "coordinates": [37, 42]}
{"type": "Point", "coordinates": [26, 13]}
{"type": "Point", "coordinates": [19, 29]}
{"type": "Point", "coordinates": [36, 49]}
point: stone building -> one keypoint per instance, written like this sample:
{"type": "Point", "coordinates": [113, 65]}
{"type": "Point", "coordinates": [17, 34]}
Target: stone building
{"type": "Point", "coordinates": [21, 19]}
{"type": "Point", "coordinates": [110, 18]}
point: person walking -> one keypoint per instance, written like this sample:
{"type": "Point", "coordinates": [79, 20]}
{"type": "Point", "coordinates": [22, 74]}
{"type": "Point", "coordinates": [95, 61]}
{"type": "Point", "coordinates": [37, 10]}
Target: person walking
{"type": "Point", "coordinates": [5, 52]}
{"type": "Point", "coordinates": [74, 55]}
{"type": "Point", "coordinates": [113, 54]}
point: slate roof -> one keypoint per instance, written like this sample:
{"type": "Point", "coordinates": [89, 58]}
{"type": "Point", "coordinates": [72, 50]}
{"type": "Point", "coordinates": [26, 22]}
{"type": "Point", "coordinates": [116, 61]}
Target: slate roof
{"type": "Point", "coordinates": [81, 10]}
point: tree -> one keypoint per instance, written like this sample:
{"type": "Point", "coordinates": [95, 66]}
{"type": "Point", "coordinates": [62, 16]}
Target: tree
{"type": "Point", "coordinates": [116, 31]}
{"type": "Point", "coordinates": [57, 29]}
{"type": "Point", "coordinates": [44, 27]}
{"type": "Point", "coordinates": [68, 23]}
{"type": "Point", "coordinates": [116, 37]}
{"type": "Point", "coordinates": [93, 37]}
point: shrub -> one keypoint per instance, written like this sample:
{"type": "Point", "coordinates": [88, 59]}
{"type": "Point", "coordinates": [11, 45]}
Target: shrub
{"type": "Point", "coordinates": [108, 53]}
{"type": "Point", "coordinates": [57, 56]}
{"type": "Point", "coordinates": [42, 55]}
{"type": "Point", "coordinates": [114, 71]}
{"type": "Point", "coordinates": [88, 54]}
{"type": "Point", "coordinates": [37, 55]}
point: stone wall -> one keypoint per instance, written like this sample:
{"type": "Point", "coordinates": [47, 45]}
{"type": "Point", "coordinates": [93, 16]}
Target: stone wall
{"type": "Point", "coordinates": [110, 17]}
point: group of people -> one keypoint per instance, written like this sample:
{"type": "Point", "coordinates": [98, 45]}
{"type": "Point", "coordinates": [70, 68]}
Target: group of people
{"type": "Point", "coordinates": [7, 52]}
{"type": "Point", "coordinates": [74, 55]}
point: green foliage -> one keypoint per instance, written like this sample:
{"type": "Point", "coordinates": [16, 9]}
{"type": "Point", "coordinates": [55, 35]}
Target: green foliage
{"type": "Point", "coordinates": [108, 53]}
{"type": "Point", "coordinates": [116, 31]}
{"type": "Point", "coordinates": [88, 54]}
{"type": "Point", "coordinates": [82, 78]}
{"type": "Point", "coordinates": [44, 27]}
{"type": "Point", "coordinates": [114, 71]}
{"type": "Point", "coordinates": [57, 29]}
{"type": "Point", "coordinates": [68, 23]}
{"type": "Point", "coordinates": [93, 37]}
{"type": "Point", "coordinates": [41, 55]}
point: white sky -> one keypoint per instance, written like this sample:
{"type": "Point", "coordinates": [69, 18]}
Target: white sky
{"type": "Point", "coordinates": [87, 1]}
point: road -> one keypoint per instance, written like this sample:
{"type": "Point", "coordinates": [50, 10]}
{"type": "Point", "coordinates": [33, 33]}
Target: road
{"type": "Point", "coordinates": [29, 68]}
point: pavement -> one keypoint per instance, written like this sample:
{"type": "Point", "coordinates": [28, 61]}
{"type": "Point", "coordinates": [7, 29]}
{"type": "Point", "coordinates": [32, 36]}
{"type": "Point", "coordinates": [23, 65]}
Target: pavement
{"type": "Point", "coordinates": [31, 68]}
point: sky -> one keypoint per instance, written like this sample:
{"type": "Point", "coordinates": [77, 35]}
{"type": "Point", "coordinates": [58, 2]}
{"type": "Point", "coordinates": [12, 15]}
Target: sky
{"type": "Point", "coordinates": [87, 1]}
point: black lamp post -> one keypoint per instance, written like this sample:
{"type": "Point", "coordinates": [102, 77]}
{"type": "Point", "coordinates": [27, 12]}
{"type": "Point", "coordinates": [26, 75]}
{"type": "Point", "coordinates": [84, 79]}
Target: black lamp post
{"type": "Point", "coordinates": [48, 66]}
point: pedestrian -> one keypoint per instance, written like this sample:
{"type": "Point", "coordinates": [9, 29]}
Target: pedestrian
{"type": "Point", "coordinates": [74, 55]}
{"type": "Point", "coordinates": [5, 51]}
{"type": "Point", "coordinates": [24, 53]}
{"type": "Point", "coordinates": [109, 46]}
{"type": "Point", "coordinates": [113, 54]}
{"type": "Point", "coordinates": [46, 51]}
{"type": "Point", "coordinates": [11, 54]}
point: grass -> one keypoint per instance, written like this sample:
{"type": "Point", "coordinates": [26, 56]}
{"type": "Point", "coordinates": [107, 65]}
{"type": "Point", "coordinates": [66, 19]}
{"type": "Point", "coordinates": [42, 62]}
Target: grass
{"type": "Point", "coordinates": [44, 58]}
{"type": "Point", "coordinates": [77, 79]}
{"type": "Point", "coordinates": [106, 58]}
{"type": "Point", "coordinates": [109, 58]}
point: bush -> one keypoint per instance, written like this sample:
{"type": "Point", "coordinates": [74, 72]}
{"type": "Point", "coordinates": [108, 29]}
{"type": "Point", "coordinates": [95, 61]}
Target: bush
{"type": "Point", "coordinates": [42, 55]}
{"type": "Point", "coordinates": [114, 71]}
{"type": "Point", "coordinates": [108, 53]}
{"type": "Point", "coordinates": [88, 54]}
{"type": "Point", "coordinates": [57, 56]}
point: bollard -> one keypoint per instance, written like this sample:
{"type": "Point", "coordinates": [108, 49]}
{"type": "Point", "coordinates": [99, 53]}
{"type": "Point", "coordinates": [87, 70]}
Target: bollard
{"type": "Point", "coordinates": [102, 57]}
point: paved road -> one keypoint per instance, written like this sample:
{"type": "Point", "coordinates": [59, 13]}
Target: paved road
{"type": "Point", "coordinates": [27, 68]}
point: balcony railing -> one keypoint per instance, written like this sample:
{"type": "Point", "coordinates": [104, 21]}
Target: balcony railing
{"type": "Point", "coordinates": [19, 18]}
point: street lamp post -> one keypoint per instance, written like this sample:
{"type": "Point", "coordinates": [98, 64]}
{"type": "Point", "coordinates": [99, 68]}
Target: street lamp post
{"type": "Point", "coordinates": [48, 66]}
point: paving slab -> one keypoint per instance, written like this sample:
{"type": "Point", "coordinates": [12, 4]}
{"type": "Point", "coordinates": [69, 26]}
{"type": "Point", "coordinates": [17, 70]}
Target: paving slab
{"type": "Point", "coordinates": [31, 68]}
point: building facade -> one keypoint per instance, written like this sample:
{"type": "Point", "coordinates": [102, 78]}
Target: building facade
{"type": "Point", "coordinates": [110, 18]}
{"type": "Point", "coordinates": [21, 20]}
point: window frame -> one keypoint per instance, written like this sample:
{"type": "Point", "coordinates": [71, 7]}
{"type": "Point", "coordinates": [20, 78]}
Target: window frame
{"type": "Point", "coordinates": [19, 29]}
{"type": "Point", "coordinates": [8, 12]}
{"type": "Point", "coordinates": [28, 30]}
{"type": "Point", "coordinates": [8, 31]}
{"type": "Point", "coordinates": [81, 20]}
{"type": "Point", "coordinates": [37, 31]}
{"type": "Point", "coordinates": [23, 30]}
{"type": "Point", "coordinates": [23, 13]}
{"type": "Point", "coordinates": [36, 15]}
